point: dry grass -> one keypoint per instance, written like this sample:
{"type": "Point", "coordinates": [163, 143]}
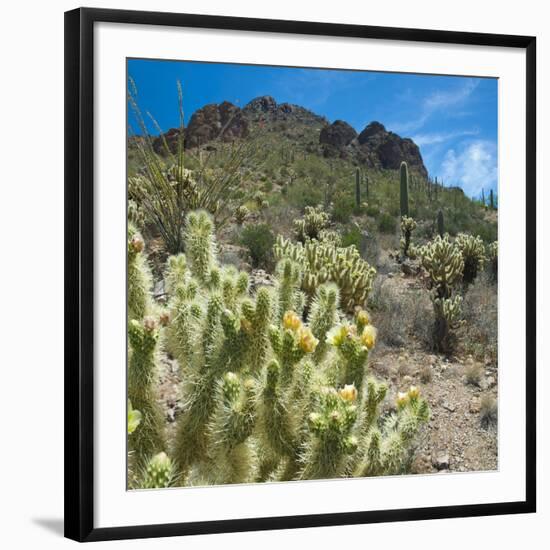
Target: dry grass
{"type": "Point", "coordinates": [473, 373]}
{"type": "Point", "coordinates": [488, 412]}
{"type": "Point", "coordinates": [479, 335]}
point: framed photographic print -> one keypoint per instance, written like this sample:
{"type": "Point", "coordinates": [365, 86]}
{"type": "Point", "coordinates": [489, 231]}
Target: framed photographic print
{"type": "Point", "coordinates": [300, 274]}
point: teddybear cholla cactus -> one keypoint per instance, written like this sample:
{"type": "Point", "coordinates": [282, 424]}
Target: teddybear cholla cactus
{"type": "Point", "coordinates": [268, 392]}
{"type": "Point", "coordinates": [139, 277]}
{"type": "Point", "coordinates": [492, 256]}
{"type": "Point", "coordinates": [312, 223]}
{"type": "Point", "coordinates": [241, 213]}
{"type": "Point", "coordinates": [473, 254]}
{"type": "Point", "coordinates": [408, 225]}
{"type": "Point", "coordinates": [444, 263]}
{"type": "Point", "coordinates": [323, 261]}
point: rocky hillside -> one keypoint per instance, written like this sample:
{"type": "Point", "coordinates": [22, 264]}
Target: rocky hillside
{"type": "Point", "coordinates": [373, 147]}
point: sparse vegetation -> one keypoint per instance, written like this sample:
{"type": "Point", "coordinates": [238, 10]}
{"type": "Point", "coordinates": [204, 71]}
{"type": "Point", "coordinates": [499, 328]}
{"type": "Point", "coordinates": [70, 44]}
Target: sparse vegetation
{"type": "Point", "coordinates": [274, 357]}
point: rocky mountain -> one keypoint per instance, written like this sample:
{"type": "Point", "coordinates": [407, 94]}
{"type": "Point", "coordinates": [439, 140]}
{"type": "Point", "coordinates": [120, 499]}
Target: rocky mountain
{"type": "Point", "coordinates": [374, 147]}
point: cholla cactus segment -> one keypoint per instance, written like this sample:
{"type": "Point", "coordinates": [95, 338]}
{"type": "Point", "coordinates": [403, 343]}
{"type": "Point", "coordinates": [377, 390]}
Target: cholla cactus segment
{"type": "Point", "coordinates": [176, 273]}
{"type": "Point", "coordinates": [288, 283]}
{"type": "Point", "coordinates": [492, 255]}
{"type": "Point", "coordinates": [408, 225]}
{"type": "Point", "coordinates": [159, 473]}
{"type": "Point", "coordinates": [323, 315]}
{"type": "Point", "coordinates": [241, 213]}
{"type": "Point", "coordinates": [312, 223]}
{"type": "Point", "coordinates": [323, 261]}
{"type": "Point", "coordinates": [332, 439]}
{"type": "Point", "coordinates": [134, 418]}
{"type": "Point", "coordinates": [142, 379]}
{"type": "Point", "coordinates": [473, 254]}
{"type": "Point", "coordinates": [447, 316]}
{"type": "Point", "coordinates": [200, 245]}
{"type": "Point", "coordinates": [139, 277]}
{"type": "Point", "coordinates": [444, 263]}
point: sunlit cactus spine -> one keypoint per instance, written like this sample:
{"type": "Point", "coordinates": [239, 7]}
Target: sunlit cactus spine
{"type": "Point", "coordinates": [230, 453]}
{"type": "Point", "coordinates": [139, 277]}
{"type": "Point", "coordinates": [388, 446]}
{"type": "Point", "coordinates": [408, 225]}
{"type": "Point", "coordinates": [404, 189]}
{"type": "Point", "coordinates": [200, 245]}
{"type": "Point", "coordinates": [142, 388]}
{"type": "Point", "coordinates": [473, 254]}
{"type": "Point", "coordinates": [159, 473]}
{"type": "Point", "coordinates": [332, 439]}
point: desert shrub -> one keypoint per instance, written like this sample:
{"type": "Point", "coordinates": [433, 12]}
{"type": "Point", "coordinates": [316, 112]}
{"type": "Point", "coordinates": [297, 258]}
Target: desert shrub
{"type": "Point", "coordinates": [343, 208]}
{"type": "Point", "coordinates": [353, 237]}
{"type": "Point", "coordinates": [386, 223]}
{"type": "Point", "coordinates": [372, 211]}
{"type": "Point", "coordinates": [259, 240]}
{"type": "Point", "coordinates": [426, 374]}
{"type": "Point", "coordinates": [488, 411]}
{"type": "Point", "coordinates": [480, 313]}
{"type": "Point", "coordinates": [473, 373]}
{"type": "Point", "coordinates": [303, 193]}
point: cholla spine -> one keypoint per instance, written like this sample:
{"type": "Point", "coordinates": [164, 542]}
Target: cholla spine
{"type": "Point", "coordinates": [159, 473]}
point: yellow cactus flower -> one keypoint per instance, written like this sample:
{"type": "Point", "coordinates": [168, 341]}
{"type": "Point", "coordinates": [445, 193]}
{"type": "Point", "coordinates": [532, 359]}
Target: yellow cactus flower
{"type": "Point", "coordinates": [306, 340]}
{"type": "Point", "coordinates": [348, 392]}
{"type": "Point", "coordinates": [337, 335]}
{"type": "Point", "coordinates": [414, 392]}
{"type": "Point", "coordinates": [291, 321]}
{"type": "Point", "coordinates": [368, 337]}
{"type": "Point", "coordinates": [402, 399]}
{"type": "Point", "coordinates": [363, 318]}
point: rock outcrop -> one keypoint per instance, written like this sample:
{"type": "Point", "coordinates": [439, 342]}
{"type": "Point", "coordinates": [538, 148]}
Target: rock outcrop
{"type": "Point", "coordinates": [336, 137]}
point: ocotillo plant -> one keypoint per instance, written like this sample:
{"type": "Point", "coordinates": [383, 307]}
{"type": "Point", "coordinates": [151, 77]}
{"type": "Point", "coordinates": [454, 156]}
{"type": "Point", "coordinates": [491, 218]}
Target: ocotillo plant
{"type": "Point", "coordinates": [404, 189]}
{"type": "Point", "coordinates": [271, 392]}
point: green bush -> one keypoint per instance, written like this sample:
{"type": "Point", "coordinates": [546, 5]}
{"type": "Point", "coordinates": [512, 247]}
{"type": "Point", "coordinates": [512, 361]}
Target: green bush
{"type": "Point", "coordinates": [259, 240]}
{"type": "Point", "coordinates": [352, 237]}
{"type": "Point", "coordinates": [343, 208]}
{"type": "Point", "coordinates": [386, 223]}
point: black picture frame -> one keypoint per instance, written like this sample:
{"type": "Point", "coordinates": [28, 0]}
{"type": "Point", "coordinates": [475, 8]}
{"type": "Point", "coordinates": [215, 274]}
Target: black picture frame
{"type": "Point", "coordinates": [79, 272]}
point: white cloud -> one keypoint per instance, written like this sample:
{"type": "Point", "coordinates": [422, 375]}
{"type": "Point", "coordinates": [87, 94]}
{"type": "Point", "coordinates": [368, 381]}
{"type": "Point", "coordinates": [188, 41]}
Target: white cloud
{"type": "Point", "coordinates": [472, 168]}
{"type": "Point", "coordinates": [435, 102]}
{"type": "Point", "coordinates": [440, 137]}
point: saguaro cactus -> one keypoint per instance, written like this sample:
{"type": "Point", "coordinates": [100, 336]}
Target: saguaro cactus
{"type": "Point", "coordinates": [404, 189]}
{"type": "Point", "coordinates": [357, 187]}
{"type": "Point", "coordinates": [440, 224]}
{"type": "Point", "coordinates": [491, 200]}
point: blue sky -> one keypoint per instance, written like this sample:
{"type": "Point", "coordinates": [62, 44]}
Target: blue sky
{"type": "Point", "coordinates": [452, 119]}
